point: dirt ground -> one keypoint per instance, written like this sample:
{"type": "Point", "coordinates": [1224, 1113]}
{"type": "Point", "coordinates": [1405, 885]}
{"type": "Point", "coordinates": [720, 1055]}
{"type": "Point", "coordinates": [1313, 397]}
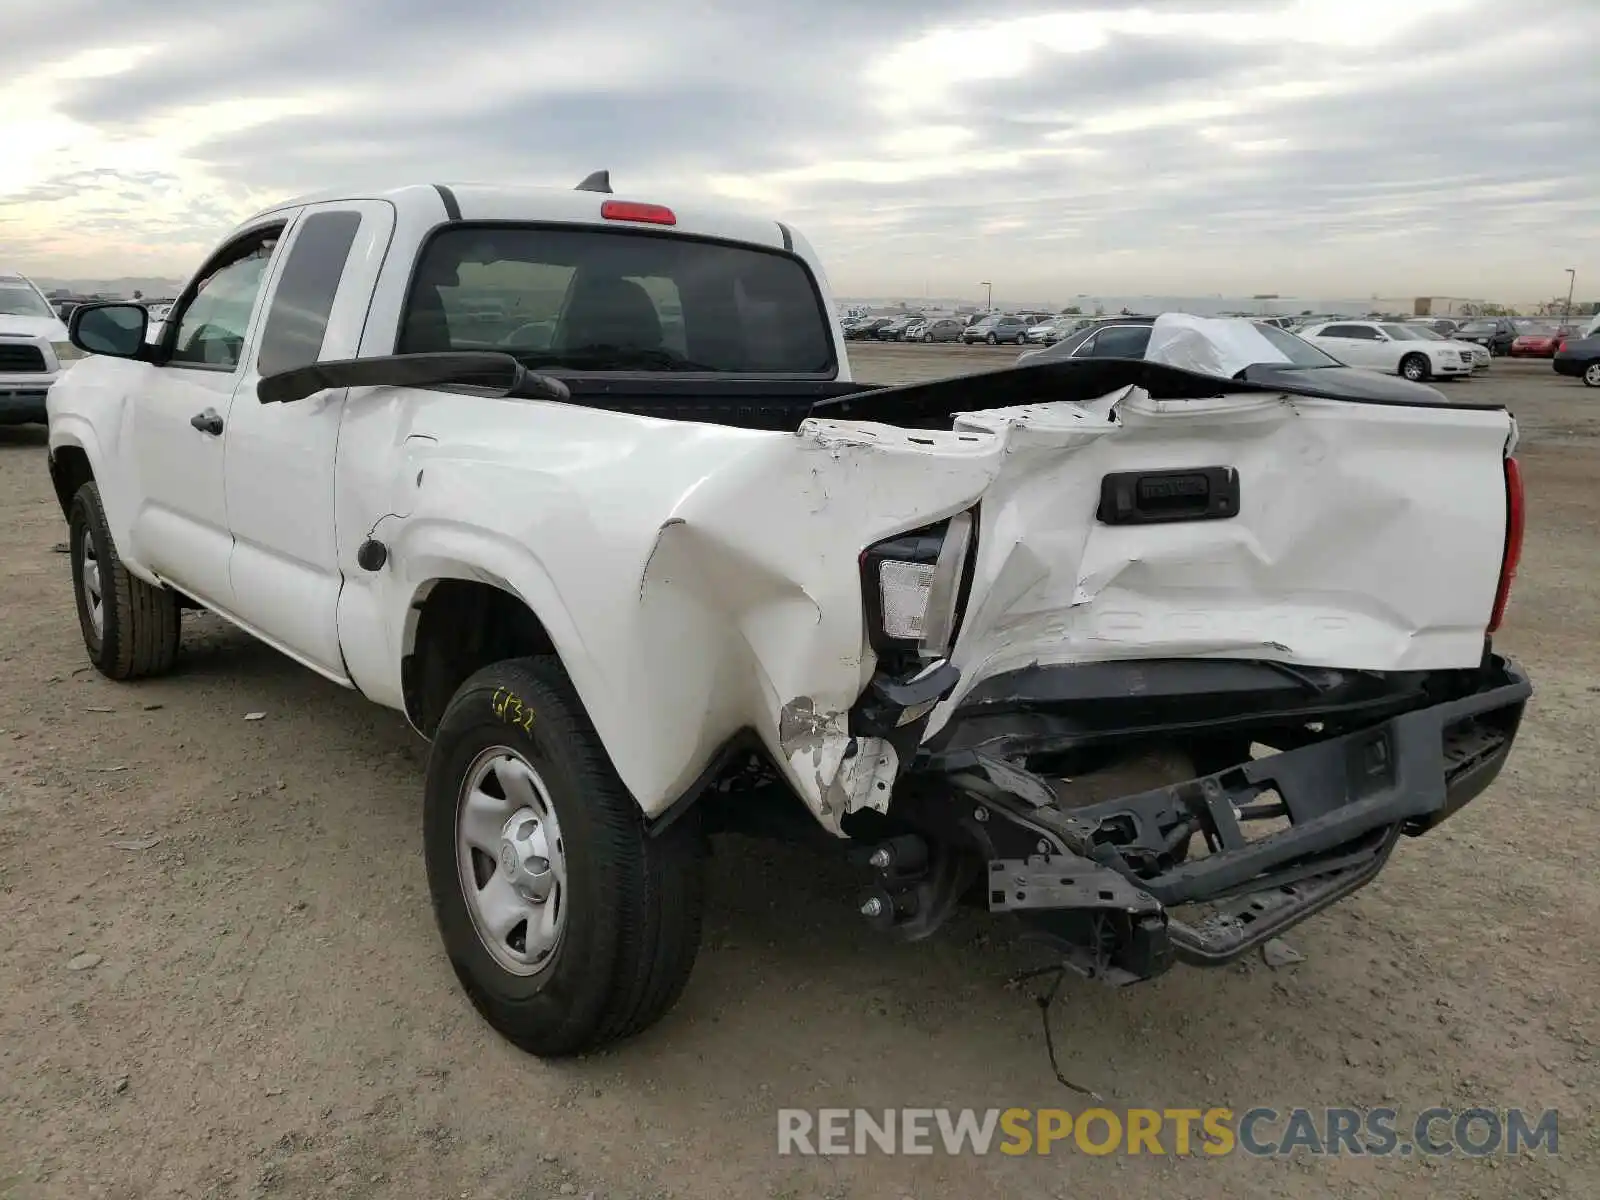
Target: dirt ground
{"type": "Point", "coordinates": [269, 1012]}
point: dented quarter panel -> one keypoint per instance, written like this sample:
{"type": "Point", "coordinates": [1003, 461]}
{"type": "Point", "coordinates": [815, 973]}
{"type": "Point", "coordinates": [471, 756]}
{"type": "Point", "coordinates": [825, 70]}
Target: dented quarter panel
{"type": "Point", "coordinates": [696, 579]}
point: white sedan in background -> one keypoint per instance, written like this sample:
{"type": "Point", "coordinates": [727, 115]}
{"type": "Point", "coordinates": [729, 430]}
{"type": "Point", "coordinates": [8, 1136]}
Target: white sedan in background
{"type": "Point", "coordinates": [1390, 347]}
{"type": "Point", "coordinates": [1477, 355]}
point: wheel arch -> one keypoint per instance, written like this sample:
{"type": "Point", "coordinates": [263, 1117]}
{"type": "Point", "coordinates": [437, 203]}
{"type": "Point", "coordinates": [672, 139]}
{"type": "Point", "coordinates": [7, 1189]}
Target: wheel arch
{"type": "Point", "coordinates": [72, 463]}
{"type": "Point", "coordinates": [458, 619]}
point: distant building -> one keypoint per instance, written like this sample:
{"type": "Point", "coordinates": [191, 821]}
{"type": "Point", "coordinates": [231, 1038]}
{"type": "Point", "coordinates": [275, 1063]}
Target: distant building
{"type": "Point", "coordinates": [1425, 306]}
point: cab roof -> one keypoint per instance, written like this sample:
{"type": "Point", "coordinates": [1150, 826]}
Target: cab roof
{"type": "Point", "coordinates": [566, 205]}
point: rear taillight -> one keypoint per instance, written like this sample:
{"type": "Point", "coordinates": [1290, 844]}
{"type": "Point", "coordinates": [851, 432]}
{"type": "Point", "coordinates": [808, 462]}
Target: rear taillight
{"type": "Point", "coordinates": [627, 210]}
{"type": "Point", "coordinates": [1515, 521]}
{"type": "Point", "coordinates": [915, 586]}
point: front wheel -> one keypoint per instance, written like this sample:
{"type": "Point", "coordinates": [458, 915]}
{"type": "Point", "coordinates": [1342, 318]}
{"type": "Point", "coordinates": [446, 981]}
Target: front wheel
{"type": "Point", "coordinates": [1591, 374]}
{"type": "Point", "coordinates": [1414, 367]}
{"type": "Point", "coordinates": [992, 340]}
{"type": "Point", "coordinates": [568, 926]}
{"type": "Point", "coordinates": [130, 627]}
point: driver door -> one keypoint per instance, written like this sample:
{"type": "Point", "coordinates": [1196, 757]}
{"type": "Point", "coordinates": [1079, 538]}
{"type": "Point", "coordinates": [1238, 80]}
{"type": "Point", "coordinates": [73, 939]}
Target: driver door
{"type": "Point", "coordinates": [178, 415]}
{"type": "Point", "coordinates": [1350, 344]}
{"type": "Point", "coordinates": [1383, 352]}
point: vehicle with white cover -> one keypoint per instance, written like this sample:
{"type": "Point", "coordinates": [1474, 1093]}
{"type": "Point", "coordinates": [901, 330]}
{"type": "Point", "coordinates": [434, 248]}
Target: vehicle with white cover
{"type": "Point", "coordinates": [33, 350]}
{"type": "Point", "coordinates": [1392, 347]}
{"type": "Point", "coordinates": [1236, 347]}
{"type": "Point", "coordinates": [583, 487]}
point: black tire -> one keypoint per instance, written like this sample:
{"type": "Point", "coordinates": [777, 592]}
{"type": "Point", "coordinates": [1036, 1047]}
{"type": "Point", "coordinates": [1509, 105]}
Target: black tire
{"type": "Point", "coordinates": [140, 624]}
{"type": "Point", "coordinates": [992, 340]}
{"type": "Point", "coordinates": [633, 902]}
{"type": "Point", "coordinates": [1591, 373]}
{"type": "Point", "coordinates": [1415, 368]}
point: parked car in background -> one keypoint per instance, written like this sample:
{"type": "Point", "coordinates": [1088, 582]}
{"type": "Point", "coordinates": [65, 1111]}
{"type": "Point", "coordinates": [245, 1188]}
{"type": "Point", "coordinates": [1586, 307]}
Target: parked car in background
{"type": "Point", "coordinates": [1478, 355]}
{"type": "Point", "coordinates": [1580, 357]}
{"type": "Point", "coordinates": [1112, 337]}
{"type": "Point", "coordinates": [33, 350]}
{"type": "Point", "coordinates": [1494, 333]}
{"type": "Point", "coordinates": [863, 327]}
{"type": "Point", "coordinates": [1444, 326]}
{"type": "Point", "coordinates": [1130, 337]}
{"type": "Point", "coordinates": [1390, 347]}
{"type": "Point", "coordinates": [896, 328]}
{"type": "Point", "coordinates": [1048, 333]}
{"type": "Point", "coordinates": [935, 329]}
{"type": "Point", "coordinates": [158, 311]}
{"type": "Point", "coordinates": [1535, 339]}
{"type": "Point", "coordinates": [996, 329]}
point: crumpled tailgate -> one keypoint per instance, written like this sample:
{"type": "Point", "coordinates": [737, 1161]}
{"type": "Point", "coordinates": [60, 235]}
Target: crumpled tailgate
{"type": "Point", "coordinates": [1365, 537]}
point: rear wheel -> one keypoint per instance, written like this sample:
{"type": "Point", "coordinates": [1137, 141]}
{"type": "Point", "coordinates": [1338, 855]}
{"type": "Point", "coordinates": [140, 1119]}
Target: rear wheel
{"type": "Point", "coordinates": [130, 628]}
{"type": "Point", "coordinates": [568, 925]}
{"type": "Point", "coordinates": [1414, 367]}
{"type": "Point", "coordinates": [1591, 374]}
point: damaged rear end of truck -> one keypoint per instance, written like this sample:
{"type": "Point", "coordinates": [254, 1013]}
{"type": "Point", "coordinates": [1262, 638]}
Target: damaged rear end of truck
{"type": "Point", "coordinates": [1183, 667]}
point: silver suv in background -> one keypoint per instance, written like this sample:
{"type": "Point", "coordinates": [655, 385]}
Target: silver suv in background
{"type": "Point", "coordinates": [997, 329]}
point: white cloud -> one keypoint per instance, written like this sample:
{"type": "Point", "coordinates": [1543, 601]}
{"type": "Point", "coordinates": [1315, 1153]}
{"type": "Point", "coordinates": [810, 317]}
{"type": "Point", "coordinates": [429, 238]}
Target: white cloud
{"type": "Point", "coordinates": [1179, 146]}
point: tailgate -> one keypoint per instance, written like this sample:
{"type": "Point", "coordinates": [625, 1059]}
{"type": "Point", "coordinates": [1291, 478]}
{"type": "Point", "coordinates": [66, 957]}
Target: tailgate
{"type": "Point", "coordinates": [1301, 530]}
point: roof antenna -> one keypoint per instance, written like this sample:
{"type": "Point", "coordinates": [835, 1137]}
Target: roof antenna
{"type": "Point", "coordinates": [597, 181]}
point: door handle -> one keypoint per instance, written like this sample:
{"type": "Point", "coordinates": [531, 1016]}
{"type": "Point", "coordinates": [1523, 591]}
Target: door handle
{"type": "Point", "coordinates": [207, 422]}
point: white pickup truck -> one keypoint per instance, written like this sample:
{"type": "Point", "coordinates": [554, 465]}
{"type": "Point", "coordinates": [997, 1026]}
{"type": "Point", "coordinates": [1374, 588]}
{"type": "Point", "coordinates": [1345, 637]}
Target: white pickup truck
{"type": "Point", "coordinates": [582, 486]}
{"type": "Point", "coordinates": [33, 350]}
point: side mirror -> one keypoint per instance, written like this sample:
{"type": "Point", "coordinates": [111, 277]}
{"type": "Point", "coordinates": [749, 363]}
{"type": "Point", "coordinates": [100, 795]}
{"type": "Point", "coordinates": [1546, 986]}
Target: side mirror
{"type": "Point", "coordinates": [114, 329]}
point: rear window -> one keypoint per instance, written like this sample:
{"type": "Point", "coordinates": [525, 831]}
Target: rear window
{"type": "Point", "coordinates": [611, 300]}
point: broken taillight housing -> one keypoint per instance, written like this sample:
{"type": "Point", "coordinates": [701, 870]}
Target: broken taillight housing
{"type": "Point", "coordinates": [914, 587]}
{"type": "Point", "coordinates": [1516, 520]}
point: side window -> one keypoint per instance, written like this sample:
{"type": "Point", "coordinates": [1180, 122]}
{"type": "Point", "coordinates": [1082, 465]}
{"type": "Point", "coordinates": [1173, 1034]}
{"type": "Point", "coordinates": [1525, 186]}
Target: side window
{"type": "Point", "coordinates": [1085, 348]}
{"type": "Point", "coordinates": [1121, 341]}
{"type": "Point", "coordinates": [211, 327]}
{"type": "Point", "coordinates": [1337, 331]}
{"type": "Point", "coordinates": [1365, 333]}
{"type": "Point", "coordinates": [298, 318]}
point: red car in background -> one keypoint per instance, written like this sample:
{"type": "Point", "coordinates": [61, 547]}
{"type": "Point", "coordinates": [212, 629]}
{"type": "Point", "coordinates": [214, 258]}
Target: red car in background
{"type": "Point", "coordinates": [1567, 333]}
{"type": "Point", "coordinates": [1536, 339]}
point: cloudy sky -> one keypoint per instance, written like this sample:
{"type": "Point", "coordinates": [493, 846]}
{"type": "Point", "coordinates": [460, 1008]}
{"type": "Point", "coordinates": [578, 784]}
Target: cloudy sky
{"type": "Point", "coordinates": [1181, 147]}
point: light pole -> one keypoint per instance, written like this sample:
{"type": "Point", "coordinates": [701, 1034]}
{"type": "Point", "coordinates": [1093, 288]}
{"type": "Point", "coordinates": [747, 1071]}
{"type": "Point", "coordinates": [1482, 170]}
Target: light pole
{"type": "Point", "coordinates": [1572, 278]}
{"type": "Point", "coordinates": [988, 295]}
